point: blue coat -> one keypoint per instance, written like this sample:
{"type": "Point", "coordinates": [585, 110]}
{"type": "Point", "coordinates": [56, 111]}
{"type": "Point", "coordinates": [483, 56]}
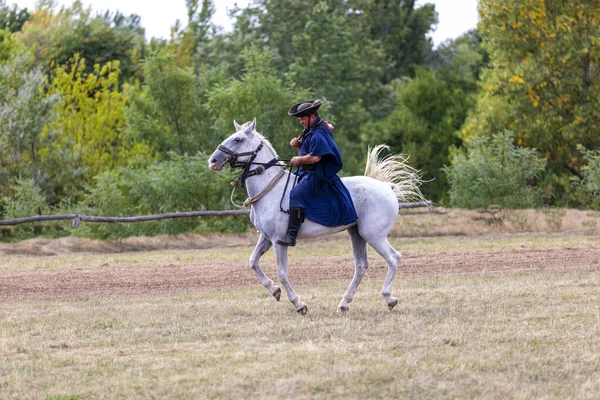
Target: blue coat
{"type": "Point", "coordinates": [320, 192]}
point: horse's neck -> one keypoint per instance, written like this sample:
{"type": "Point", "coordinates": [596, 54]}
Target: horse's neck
{"type": "Point", "coordinates": [255, 184]}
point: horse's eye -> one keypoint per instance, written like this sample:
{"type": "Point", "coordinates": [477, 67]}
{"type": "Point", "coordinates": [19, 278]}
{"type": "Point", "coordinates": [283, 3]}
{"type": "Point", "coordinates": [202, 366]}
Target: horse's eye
{"type": "Point", "coordinates": [237, 140]}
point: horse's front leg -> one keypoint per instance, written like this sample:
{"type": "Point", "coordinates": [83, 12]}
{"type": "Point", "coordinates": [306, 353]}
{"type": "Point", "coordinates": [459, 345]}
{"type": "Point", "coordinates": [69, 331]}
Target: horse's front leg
{"type": "Point", "coordinates": [262, 246]}
{"type": "Point", "coordinates": [281, 256]}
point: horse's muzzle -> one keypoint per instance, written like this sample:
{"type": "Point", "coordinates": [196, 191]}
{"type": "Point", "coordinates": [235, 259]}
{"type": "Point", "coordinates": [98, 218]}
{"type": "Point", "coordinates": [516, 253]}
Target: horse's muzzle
{"type": "Point", "coordinates": [217, 161]}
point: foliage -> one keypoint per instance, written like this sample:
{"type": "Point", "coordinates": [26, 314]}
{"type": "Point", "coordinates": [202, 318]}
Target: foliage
{"type": "Point", "coordinates": [545, 63]}
{"type": "Point", "coordinates": [103, 40]}
{"type": "Point", "coordinates": [24, 200]}
{"type": "Point", "coordinates": [12, 18]}
{"type": "Point", "coordinates": [47, 26]}
{"type": "Point", "coordinates": [58, 35]}
{"type": "Point", "coordinates": [189, 45]}
{"type": "Point", "coordinates": [342, 65]}
{"type": "Point", "coordinates": [423, 126]}
{"type": "Point", "coordinates": [394, 28]}
{"type": "Point", "coordinates": [495, 171]}
{"type": "Point", "coordinates": [168, 112]}
{"type": "Point", "coordinates": [459, 62]}
{"type": "Point", "coordinates": [25, 109]}
{"type": "Point", "coordinates": [182, 183]}
{"type": "Point", "coordinates": [590, 176]}
{"type": "Point", "coordinates": [9, 46]}
{"type": "Point", "coordinates": [258, 94]}
{"type": "Point", "coordinates": [87, 137]}
{"type": "Point", "coordinates": [401, 29]}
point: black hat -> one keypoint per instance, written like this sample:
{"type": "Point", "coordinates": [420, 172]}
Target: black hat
{"type": "Point", "coordinates": [305, 108]}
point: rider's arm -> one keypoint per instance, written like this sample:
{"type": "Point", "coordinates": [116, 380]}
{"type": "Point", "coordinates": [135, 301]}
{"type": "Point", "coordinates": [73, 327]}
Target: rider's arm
{"type": "Point", "coordinates": [307, 159]}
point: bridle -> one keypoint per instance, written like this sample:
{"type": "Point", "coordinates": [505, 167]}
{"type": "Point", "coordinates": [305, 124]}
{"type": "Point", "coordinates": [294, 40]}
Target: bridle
{"type": "Point", "coordinates": [233, 159]}
{"type": "Point", "coordinates": [234, 162]}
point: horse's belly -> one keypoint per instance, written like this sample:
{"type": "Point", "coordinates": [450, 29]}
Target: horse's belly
{"type": "Point", "coordinates": [311, 229]}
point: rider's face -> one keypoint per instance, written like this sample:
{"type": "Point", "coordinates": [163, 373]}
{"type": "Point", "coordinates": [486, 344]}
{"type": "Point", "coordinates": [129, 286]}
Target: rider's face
{"type": "Point", "coordinates": [305, 121]}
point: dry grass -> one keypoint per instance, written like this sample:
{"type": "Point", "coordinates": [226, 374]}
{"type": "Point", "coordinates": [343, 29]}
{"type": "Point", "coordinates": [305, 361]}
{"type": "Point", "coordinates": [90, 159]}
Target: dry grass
{"type": "Point", "coordinates": [498, 336]}
{"type": "Point", "coordinates": [507, 336]}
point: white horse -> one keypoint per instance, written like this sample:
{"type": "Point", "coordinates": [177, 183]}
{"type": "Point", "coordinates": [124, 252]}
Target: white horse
{"type": "Point", "coordinates": [375, 198]}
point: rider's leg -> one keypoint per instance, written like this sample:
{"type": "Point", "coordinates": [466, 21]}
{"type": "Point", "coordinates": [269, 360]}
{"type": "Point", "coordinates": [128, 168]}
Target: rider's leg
{"type": "Point", "coordinates": [296, 219]}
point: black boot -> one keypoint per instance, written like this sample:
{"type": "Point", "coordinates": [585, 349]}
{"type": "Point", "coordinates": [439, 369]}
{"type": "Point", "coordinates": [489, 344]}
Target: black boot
{"type": "Point", "coordinates": [296, 219]}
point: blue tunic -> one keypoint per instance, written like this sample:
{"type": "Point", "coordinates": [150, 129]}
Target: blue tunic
{"type": "Point", "coordinates": [320, 192]}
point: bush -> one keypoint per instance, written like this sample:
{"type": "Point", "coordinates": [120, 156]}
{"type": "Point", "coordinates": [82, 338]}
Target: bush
{"type": "Point", "coordinates": [25, 200]}
{"type": "Point", "coordinates": [590, 176]}
{"type": "Point", "coordinates": [495, 171]}
{"type": "Point", "coordinates": [183, 183]}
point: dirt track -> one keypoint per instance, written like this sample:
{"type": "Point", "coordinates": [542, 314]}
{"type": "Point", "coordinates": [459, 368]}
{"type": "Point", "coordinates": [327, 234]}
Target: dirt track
{"type": "Point", "coordinates": [153, 280]}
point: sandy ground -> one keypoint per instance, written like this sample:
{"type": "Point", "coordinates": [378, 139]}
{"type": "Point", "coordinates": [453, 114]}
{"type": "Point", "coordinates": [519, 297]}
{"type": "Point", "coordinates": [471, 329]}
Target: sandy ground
{"type": "Point", "coordinates": [161, 280]}
{"type": "Point", "coordinates": [149, 279]}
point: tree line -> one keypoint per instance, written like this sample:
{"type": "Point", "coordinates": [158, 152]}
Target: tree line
{"type": "Point", "coordinates": [95, 117]}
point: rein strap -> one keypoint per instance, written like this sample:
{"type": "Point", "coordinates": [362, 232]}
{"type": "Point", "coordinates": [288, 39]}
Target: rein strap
{"type": "Point", "coordinates": [266, 189]}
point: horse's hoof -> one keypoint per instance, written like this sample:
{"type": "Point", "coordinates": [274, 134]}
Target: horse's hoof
{"type": "Point", "coordinates": [303, 310]}
{"type": "Point", "coordinates": [392, 303]}
{"type": "Point", "coordinates": [277, 294]}
{"type": "Point", "coordinates": [342, 309]}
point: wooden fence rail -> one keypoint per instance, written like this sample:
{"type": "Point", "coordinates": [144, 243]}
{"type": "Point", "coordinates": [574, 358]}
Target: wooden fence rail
{"type": "Point", "coordinates": [77, 218]}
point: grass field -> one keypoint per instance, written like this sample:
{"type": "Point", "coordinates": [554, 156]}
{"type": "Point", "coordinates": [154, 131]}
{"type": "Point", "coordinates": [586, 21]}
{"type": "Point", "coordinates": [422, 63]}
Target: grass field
{"type": "Point", "coordinates": [473, 328]}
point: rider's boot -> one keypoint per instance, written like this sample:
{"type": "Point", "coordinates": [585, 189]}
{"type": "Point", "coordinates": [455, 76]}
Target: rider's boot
{"type": "Point", "coordinates": [296, 219]}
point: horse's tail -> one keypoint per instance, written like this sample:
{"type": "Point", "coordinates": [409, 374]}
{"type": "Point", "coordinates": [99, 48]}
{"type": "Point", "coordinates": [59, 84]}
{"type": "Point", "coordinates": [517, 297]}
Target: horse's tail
{"type": "Point", "coordinates": [394, 170]}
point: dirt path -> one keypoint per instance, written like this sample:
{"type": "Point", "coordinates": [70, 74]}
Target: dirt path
{"type": "Point", "coordinates": [153, 280]}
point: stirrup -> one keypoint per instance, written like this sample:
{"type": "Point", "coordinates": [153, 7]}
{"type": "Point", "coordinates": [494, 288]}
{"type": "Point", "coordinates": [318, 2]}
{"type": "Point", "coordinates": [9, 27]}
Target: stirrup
{"type": "Point", "coordinates": [287, 241]}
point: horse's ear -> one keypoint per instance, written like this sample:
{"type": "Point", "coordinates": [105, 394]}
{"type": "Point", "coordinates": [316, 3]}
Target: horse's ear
{"type": "Point", "coordinates": [237, 126]}
{"type": "Point", "coordinates": [252, 126]}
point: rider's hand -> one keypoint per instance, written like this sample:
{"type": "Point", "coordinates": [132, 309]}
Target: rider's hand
{"type": "Point", "coordinates": [295, 143]}
{"type": "Point", "coordinates": [295, 161]}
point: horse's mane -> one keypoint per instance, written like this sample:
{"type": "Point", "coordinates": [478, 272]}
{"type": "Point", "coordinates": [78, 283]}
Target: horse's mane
{"type": "Point", "coordinates": [266, 142]}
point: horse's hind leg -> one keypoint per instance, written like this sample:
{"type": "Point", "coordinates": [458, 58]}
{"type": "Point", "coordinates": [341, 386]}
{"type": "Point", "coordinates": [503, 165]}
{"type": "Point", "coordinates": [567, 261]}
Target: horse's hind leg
{"type": "Point", "coordinates": [262, 246]}
{"type": "Point", "coordinates": [359, 249]}
{"type": "Point", "coordinates": [393, 258]}
{"type": "Point", "coordinates": [281, 256]}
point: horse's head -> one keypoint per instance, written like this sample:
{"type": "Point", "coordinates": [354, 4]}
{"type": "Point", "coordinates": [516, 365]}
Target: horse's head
{"type": "Point", "coordinates": [237, 148]}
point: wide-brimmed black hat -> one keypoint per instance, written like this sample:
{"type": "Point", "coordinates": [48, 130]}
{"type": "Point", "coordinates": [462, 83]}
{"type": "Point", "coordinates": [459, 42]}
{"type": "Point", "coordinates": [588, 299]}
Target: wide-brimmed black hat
{"type": "Point", "coordinates": [305, 108]}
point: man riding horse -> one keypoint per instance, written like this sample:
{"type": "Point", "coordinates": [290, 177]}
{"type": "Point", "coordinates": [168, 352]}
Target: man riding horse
{"type": "Point", "coordinates": [320, 194]}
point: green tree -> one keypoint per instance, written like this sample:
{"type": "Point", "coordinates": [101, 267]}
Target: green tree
{"type": "Point", "coordinates": [545, 63]}
{"type": "Point", "coordinates": [25, 109]}
{"type": "Point", "coordinates": [169, 111]}
{"type": "Point", "coordinates": [423, 126]}
{"type": "Point", "coordinates": [58, 35]}
{"type": "Point", "coordinates": [47, 26]}
{"type": "Point", "coordinates": [88, 136]}
{"type": "Point", "coordinates": [258, 94]}
{"type": "Point", "coordinates": [401, 28]}
{"type": "Point", "coordinates": [274, 24]}
{"type": "Point", "coordinates": [8, 46]}
{"type": "Point", "coordinates": [460, 62]}
{"type": "Point", "coordinates": [191, 44]}
{"type": "Point", "coordinates": [12, 18]}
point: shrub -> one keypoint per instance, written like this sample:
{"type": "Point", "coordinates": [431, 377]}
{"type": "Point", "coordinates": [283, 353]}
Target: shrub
{"type": "Point", "coordinates": [590, 176]}
{"type": "Point", "coordinates": [495, 171]}
{"type": "Point", "coordinates": [183, 183]}
{"type": "Point", "coordinates": [25, 200]}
